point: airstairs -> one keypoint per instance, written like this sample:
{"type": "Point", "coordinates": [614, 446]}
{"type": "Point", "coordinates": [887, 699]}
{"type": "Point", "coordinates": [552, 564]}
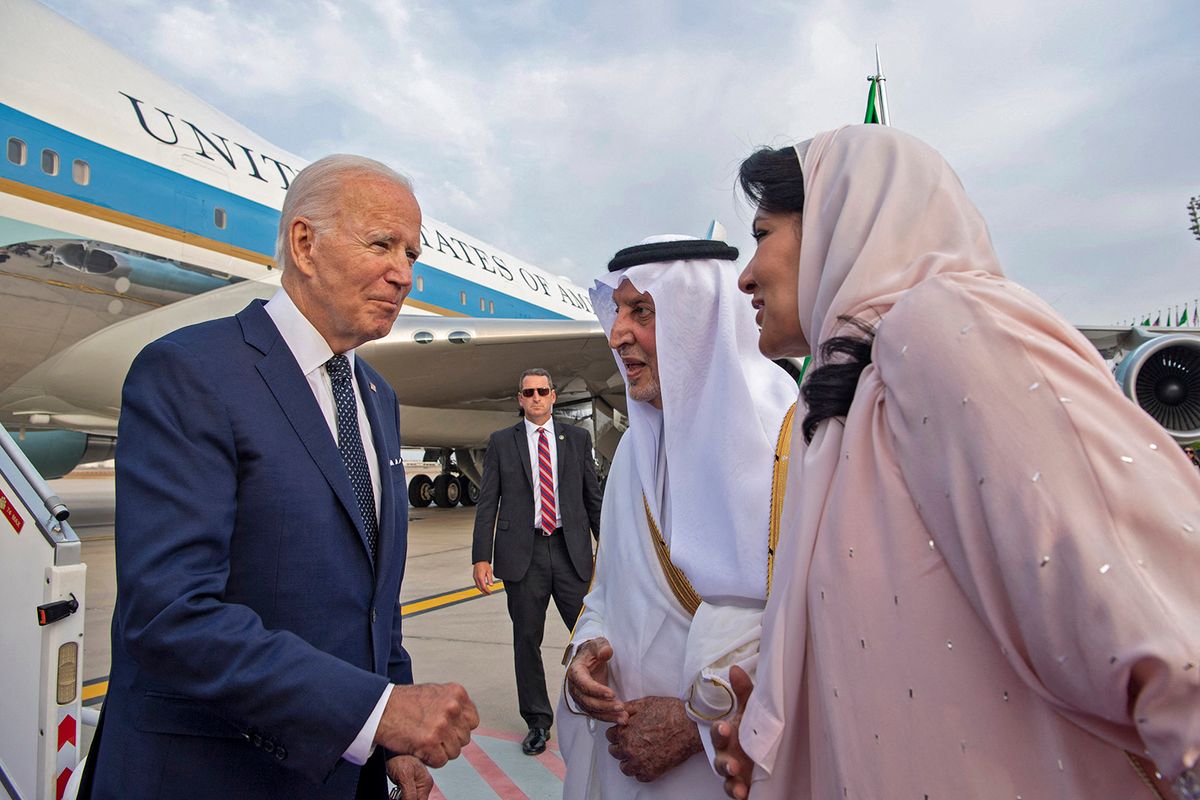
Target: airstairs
{"type": "Point", "coordinates": [42, 583]}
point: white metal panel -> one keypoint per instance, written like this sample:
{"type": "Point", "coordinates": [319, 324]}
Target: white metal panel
{"type": "Point", "coordinates": [33, 755]}
{"type": "Point", "coordinates": [24, 558]}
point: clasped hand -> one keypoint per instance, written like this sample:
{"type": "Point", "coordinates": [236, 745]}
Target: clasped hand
{"type": "Point", "coordinates": [651, 734]}
{"type": "Point", "coordinates": [411, 777]}
{"type": "Point", "coordinates": [657, 737]}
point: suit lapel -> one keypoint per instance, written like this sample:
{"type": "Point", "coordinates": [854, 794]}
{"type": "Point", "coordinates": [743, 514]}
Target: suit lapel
{"type": "Point", "coordinates": [282, 375]}
{"type": "Point", "coordinates": [523, 449]}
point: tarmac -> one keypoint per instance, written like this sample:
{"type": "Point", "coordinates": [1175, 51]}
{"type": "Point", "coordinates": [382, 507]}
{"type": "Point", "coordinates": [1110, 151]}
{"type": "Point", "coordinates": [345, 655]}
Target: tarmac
{"type": "Point", "coordinates": [453, 633]}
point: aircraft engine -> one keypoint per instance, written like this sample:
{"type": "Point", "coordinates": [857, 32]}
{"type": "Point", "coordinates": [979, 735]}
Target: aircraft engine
{"type": "Point", "coordinates": [54, 453]}
{"type": "Point", "coordinates": [1163, 377]}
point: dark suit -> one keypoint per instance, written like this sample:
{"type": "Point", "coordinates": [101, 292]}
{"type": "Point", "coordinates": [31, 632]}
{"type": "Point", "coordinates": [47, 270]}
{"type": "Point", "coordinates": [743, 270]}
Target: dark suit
{"type": "Point", "coordinates": [253, 632]}
{"type": "Point", "coordinates": [535, 568]}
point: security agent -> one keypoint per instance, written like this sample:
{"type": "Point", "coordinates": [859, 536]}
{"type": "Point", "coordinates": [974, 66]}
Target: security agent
{"type": "Point", "coordinates": [538, 510]}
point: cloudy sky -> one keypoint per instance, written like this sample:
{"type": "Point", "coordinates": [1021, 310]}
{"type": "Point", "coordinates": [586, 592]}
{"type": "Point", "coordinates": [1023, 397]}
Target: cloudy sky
{"type": "Point", "coordinates": [562, 131]}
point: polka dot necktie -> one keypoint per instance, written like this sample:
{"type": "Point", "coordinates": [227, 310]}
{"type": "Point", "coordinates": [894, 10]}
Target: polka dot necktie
{"type": "Point", "coordinates": [546, 483]}
{"type": "Point", "coordinates": [350, 444]}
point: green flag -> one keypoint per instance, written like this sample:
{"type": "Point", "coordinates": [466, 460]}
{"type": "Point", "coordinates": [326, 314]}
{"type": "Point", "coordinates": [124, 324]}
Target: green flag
{"type": "Point", "coordinates": [1146, 322]}
{"type": "Point", "coordinates": [1183, 317]}
{"type": "Point", "coordinates": [872, 104]}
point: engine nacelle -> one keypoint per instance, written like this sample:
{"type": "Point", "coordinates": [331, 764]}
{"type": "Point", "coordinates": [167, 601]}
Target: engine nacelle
{"type": "Point", "coordinates": [1162, 376]}
{"type": "Point", "coordinates": [54, 453]}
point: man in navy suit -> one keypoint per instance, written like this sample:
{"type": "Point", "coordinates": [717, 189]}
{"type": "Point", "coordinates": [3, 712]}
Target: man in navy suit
{"type": "Point", "coordinates": [538, 510]}
{"type": "Point", "coordinates": [261, 532]}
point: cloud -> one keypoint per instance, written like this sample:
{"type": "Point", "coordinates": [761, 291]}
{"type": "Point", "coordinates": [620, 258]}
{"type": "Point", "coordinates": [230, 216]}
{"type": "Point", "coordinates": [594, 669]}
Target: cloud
{"type": "Point", "coordinates": [562, 131]}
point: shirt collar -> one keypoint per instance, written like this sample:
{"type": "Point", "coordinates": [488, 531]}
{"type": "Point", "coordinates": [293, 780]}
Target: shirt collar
{"type": "Point", "coordinates": [308, 346]}
{"type": "Point", "coordinates": [531, 429]}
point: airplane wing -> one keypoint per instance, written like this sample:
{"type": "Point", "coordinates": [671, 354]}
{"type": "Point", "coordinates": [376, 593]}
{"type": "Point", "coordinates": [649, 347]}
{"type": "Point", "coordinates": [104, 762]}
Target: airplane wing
{"type": "Point", "coordinates": [464, 364]}
{"type": "Point", "coordinates": [1112, 340]}
{"type": "Point", "coordinates": [1109, 340]}
{"type": "Point", "coordinates": [475, 364]}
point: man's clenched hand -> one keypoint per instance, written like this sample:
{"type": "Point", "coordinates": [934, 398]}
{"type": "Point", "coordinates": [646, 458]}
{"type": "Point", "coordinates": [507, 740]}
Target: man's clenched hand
{"type": "Point", "coordinates": [432, 721]}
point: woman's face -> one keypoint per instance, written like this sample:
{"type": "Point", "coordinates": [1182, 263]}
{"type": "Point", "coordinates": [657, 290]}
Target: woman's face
{"type": "Point", "coordinates": [772, 280]}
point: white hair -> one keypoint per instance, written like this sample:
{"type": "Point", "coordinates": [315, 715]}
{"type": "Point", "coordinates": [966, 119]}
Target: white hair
{"type": "Point", "coordinates": [314, 194]}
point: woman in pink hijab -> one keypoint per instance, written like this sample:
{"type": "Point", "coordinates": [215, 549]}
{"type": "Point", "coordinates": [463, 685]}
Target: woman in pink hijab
{"type": "Point", "coordinates": [988, 580]}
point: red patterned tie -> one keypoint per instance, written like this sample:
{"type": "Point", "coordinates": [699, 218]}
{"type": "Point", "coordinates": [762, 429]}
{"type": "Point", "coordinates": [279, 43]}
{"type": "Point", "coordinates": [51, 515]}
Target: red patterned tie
{"type": "Point", "coordinates": [546, 483]}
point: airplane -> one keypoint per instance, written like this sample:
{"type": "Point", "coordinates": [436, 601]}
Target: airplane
{"type": "Point", "coordinates": [130, 208]}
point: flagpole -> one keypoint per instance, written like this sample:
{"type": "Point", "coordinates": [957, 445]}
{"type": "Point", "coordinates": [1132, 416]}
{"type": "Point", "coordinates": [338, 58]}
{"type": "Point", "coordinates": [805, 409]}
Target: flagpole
{"type": "Point", "coordinates": [885, 114]}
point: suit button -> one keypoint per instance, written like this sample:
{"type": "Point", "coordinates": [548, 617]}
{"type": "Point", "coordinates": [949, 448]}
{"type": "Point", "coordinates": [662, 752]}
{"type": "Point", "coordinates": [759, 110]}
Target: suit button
{"type": "Point", "coordinates": [269, 745]}
{"type": "Point", "coordinates": [256, 740]}
{"type": "Point", "coordinates": [374, 616]}
{"type": "Point", "coordinates": [280, 753]}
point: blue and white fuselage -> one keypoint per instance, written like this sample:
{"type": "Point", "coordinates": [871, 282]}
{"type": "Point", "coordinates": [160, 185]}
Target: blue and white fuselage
{"type": "Point", "coordinates": [129, 207]}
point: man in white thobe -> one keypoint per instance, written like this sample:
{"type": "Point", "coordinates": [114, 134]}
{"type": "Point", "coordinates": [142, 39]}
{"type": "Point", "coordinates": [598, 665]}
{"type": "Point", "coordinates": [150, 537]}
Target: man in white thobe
{"type": "Point", "coordinates": [681, 571]}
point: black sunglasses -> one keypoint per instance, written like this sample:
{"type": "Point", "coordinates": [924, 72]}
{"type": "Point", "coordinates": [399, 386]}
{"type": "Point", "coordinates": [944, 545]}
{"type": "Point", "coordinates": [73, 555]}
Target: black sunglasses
{"type": "Point", "coordinates": [542, 390]}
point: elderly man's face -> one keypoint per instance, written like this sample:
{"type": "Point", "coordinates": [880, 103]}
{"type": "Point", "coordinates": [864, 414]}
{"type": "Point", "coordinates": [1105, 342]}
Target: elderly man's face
{"type": "Point", "coordinates": [355, 274]}
{"type": "Point", "coordinates": [634, 340]}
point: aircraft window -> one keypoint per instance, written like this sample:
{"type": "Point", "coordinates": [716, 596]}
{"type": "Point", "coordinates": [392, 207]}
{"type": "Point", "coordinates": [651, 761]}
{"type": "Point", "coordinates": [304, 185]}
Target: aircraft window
{"type": "Point", "coordinates": [81, 172]}
{"type": "Point", "coordinates": [422, 337]}
{"type": "Point", "coordinates": [482, 304]}
{"type": "Point", "coordinates": [462, 298]}
{"type": "Point", "coordinates": [49, 162]}
{"type": "Point", "coordinates": [220, 218]}
{"type": "Point", "coordinates": [420, 283]}
{"type": "Point", "coordinates": [16, 151]}
{"type": "Point", "coordinates": [491, 307]}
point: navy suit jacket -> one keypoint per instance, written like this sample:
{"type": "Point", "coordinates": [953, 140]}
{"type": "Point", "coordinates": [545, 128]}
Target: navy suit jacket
{"type": "Point", "coordinates": [253, 632]}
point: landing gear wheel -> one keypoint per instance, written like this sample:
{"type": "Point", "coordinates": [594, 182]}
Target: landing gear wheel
{"type": "Point", "coordinates": [469, 495]}
{"type": "Point", "coordinates": [420, 491]}
{"type": "Point", "coordinates": [446, 490]}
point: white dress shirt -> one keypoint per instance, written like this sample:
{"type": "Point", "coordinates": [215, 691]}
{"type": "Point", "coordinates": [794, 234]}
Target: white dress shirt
{"type": "Point", "coordinates": [531, 435]}
{"type": "Point", "coordinates": [311, 351]}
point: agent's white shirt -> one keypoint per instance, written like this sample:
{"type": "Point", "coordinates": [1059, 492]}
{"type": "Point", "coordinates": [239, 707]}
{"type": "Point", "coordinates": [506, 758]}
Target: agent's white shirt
{"type": "Point", "coordinates": [531, 434]}
{"type": "Point", "coordinates": [311, 351]}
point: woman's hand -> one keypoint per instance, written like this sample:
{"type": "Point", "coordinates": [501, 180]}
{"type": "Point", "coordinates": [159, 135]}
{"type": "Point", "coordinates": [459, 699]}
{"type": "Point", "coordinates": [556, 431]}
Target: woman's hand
{"type": "Point", "coordinates": [731, 760]}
